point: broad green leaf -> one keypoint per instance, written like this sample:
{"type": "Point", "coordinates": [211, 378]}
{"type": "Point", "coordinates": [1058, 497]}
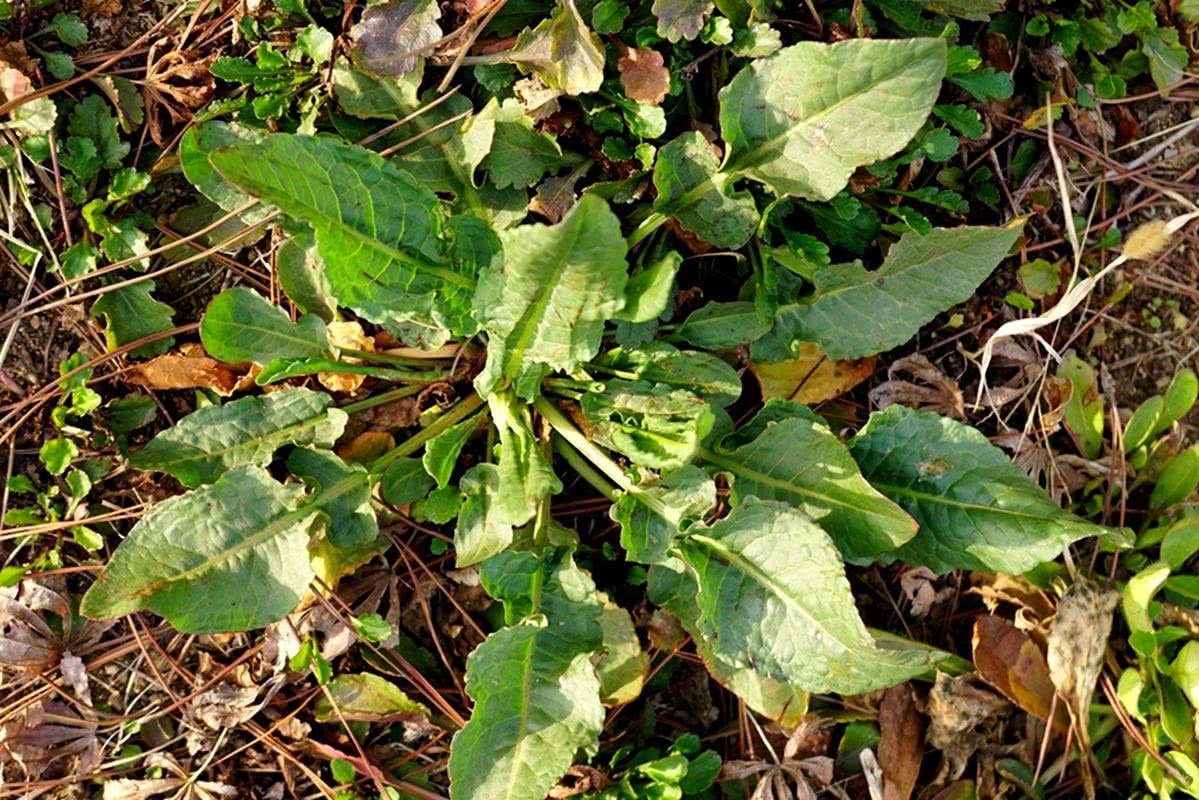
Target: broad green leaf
{"type": "Point", "coordinates": [392, 36]}
{"type": "Point", "coordinates": [443, 156]}
{"type": "Point", "coordinates": [366, 697]}
{"type": "Point", "coordinates": [93, 119]}
{"type": "Point", "coordinates": [368, 97]}
{"type": "Point", "coordinates": [232, 556]}
{"type": "Point", "coordinates": [132, 313]}
{"type": "Point", "coordinates": [206, 443]}
{"type": "Point", "coordinates": [1083, 411]}
{"type": "Point", "coordinates": [857, 313]}
{"type": "Point", "coordinates": [976, 509]}
{"type": "Point", "coordinates": [772, 595]}
{"type": "Point", "coordinates": [651, 516]}
{"type": "Point", "coordinates": [681, 19]}
{"type": "Point", "coordinates": [622, 665]}
{"type": "Point", "coordinates": [302, 276]}
{"type": "Point", "coordinates": [1177, 480]}
{"type": "Point", "coordinates": [978, 10]}
{"type": "Point", "coordinates": [1139, 592]}
{"type": "Point", "coordinates": [351, 519]}
{"type": "Point", "coordinates": [562, 52]}
{"type": "Point", "coordinates": [241, 325]}
{"type": "Point", "coordinates": [658, 362]}
{"type": "Point", "coordinates": [377, 229]}
{"type": "Point", "coordinates": [652, 424]}
{"type": "Point", "coordinates": [195, 147]}
{"type": "Point", "coordinates": [804, 119]}
{"type": "Point", "coordinates": [519, 155]}
{"type": "Point", "coordinates": [545, 309]}
{"type": "Point", "coordinates": [281, 369]}
{"type": "Point", "coordinates": [718, 326]}
{"type": "Point", "coordinates": [802, 463]}
{"type": "Point", "coordinates": [501, 498]}
{"type": "Point", "coordinates": [405, 481]}
{"type": "Point", "coordinates": [692, 189]}
{"type": "Point", "coordinates": [673, 587]}
{"type": "Point", "coordinates": [649, 291]}
{"type": "Point", "coordinates": [536, 694]}
{"type": "Point", "coordinates": [442, 451]}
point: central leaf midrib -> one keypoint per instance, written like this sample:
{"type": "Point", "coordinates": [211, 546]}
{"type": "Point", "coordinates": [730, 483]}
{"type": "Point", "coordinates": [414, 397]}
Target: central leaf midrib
{"type": "Point", "coordinates": [739, 467]}
{"type": "Point", "coordinates": [751, 155]}
{"type": "Point", "coordinates": [328, 221]}
{"type": "Point", "coordinates": [907, 491]}
{"type": "Point", "coordinates": [763, 579]}
{"type": "Point", "coordinates": [276, 527]}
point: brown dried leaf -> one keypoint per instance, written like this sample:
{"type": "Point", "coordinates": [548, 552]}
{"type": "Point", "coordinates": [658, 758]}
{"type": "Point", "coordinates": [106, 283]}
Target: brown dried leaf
{"type": "Point", "coordinates": [811, 377]}
{"type": "Point", "coordinates": [915, 381]}
{"type": "Point", "coordinates": [1077, 640]}
{"type": "Point", "coordinates": [224, 706]}
{"type": "Point", "coordinates": [901, 748]}
{"type": "Point", "coordinates": [367, 446]}
{"type": "Point", "coordinates": [43, 732]}
{"type": "Point", "coordinates": [190, 368]}
{"type": "Point", "coordinates": [917, 586]}
{"type": "Point", "coordinates": [348, 336]}
{"type": "Point", "coordinates": [102, 8]}
{"type": "Point", "coordinates": [15, 55]}
{"type": "Point", "coordinates": [644, 75]}
{"type": "Point", "coordinates": [580, 779]}
{"type": "Point", "coordinates": [1009, 660]}
{"type": "Point", "coordinates": [956, 708]}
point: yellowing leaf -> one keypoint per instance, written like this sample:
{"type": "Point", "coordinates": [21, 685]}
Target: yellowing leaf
{"type": "Point", "coordinates": [811, 377]}
{"type": "Point", "coordinates": [644, 75]}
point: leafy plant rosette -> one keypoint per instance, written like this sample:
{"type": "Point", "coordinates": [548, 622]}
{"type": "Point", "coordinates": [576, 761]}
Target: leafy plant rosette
{"type": "Point", "coordinates": [581, 377]}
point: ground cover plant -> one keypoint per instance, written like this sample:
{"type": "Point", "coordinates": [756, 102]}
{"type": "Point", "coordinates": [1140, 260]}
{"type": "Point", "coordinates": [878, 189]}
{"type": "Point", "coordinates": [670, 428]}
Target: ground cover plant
{"type": "Point", "coordinates": [612, 399]}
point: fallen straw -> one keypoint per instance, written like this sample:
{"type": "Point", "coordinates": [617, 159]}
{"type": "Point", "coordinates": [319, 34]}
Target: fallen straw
{"type": "Point", "coordinates": [1145, 242]}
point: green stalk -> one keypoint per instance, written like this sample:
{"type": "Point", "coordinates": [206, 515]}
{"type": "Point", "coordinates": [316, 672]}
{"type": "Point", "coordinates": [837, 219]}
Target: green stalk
{"type": "Point", "coordinates": [597, 457]}
{"type": "Point", "coordinates": [585, 470]}
{"type": "Point", "coordinates": [381, 399]}
{"type": "Point", "coordinates": [460, 411]}
{"type": "Point", "coordinates": [388, 358]}
{"type": "Point", "coordinates": [648, 225]}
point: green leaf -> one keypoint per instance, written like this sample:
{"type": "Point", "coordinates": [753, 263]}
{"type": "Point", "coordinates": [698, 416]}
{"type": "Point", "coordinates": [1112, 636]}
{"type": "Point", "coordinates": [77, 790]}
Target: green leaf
{"type": "Point", "coordinates": [1167, 58]}
{"type": "Point", "coordinates": [367, 698]}
{"type": "Point", "coordinates": [622, 665]}
{"type": "Point", "coordinates": [302, 276]}
{"type": "Point", "coordinates": [719, 326]}
{"type": "Point", "coordinates": [503, 497]}
{"type": "Point", "coordinates": [1177, 481]}
{"type": "Point", "coordinates": [652, 424]}
{"type": "Point", "coordinates": [69, 29]}
{"type": "Point", "coordinates": [342, 491]}
{"type": "Point", "coordinates": [537, 697]}
{"type": "Point", "coordinates": [692, 189]}
{"type": "Point", "coordinates": [519, 155]}
{"type": "Point", "coordinates": [681, 19]}
{"type": "Point", "coordinates": [241, 326]}
{"type": "Point", "coordinates": [368, 97]}
{"type": "Point", "coordinates": [405, 481]}
{"type": "Point", "coordinates": [383, 254]}
{"type": "Point", "coordinates": [79, 259]}
{"type": "Point", "coordinates": [673, 587]}
{"type": "Point", "coordinates": [801, 462]}
{"type": "Point", "coordinates": [197, 144]}
{"type": "Point", "coordinates": [93, 119]}
{"type": "Point", "coordinates": [976, 509]}
{"type": "Point", "coordinates": [1138, 594]}
{"type": "Point", "coordinates": [206, 443]}
{"type": "Point", "coordinates": [562, 52]}
{"type": "Point", "coordinates": [132, 313]}
{"type": "Point", "coordinates": [963, 119]}
{"type": "Point", "coordinates": [802, 120]}
{"type": "Point", "coordinates": [772, 595]}
{"type": "Point", "coordinates": [985, 84]}
{"type": "Point", "coordinates": [658, 362]}
{"type": "Point", "coordinates": [57, 454]}
{"type": "Point", "coordinates": [442, 451]}
{"type": "Point", "coordinates": [650, 517]}
{"type": "Point", "coordinates": [857, 313]}
{"type": "Point", "coordinates": [392, 36]}
{"type": "Point", "coordinates": [649, 291]}
{"type": "Point", "coordinates": [232, 556]}
{"type": "Point", "coordinates": [977, 10]}
{"type": "Point", "coordinates": [1083, 412]}
{"type": "Point", "coordinates": [59, 65]}
{"type": "Point", "coordinates": [545, 308]}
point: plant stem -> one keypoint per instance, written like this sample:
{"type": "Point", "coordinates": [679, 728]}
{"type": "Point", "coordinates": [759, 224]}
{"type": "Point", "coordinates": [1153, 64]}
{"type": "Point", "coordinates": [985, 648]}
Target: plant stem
{"type": "Point", "coordinates": [460, 411]}
{"type": "Point", "coordinates": [387, 358]}
{"type": "Point", "coordinates": [645, 228]}
{"type": "Point", "coordinates": [567, 430]}
{"type": "Point", "coordinates": [585, 470]}
{"type": "Point", "coordinates": [381, 399]}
